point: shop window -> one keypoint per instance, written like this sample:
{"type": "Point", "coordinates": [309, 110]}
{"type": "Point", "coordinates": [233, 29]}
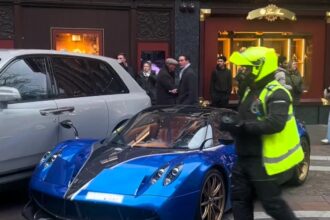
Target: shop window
{"type": "Point", "coordinates": [88, 41]}
{"type": "Point", "coordinates": [296, 47]}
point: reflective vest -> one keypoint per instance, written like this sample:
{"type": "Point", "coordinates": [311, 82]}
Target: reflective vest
{"type": "Point", "coordinates": [282, 150]}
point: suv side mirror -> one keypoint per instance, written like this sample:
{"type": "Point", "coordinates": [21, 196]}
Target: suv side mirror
{"type": "Point", "coordinates": [8, 94]}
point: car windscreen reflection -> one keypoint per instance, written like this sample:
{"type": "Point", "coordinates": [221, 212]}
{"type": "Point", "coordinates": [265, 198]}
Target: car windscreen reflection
{"type": "Point", "coordinates": [164, 130]}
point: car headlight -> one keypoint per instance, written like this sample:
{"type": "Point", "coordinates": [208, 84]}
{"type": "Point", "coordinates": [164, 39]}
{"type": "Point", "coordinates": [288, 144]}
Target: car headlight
{"type": "Point", "coordinates": [45, 157]}
{"type": "Point", "coordinates": [172, 174]}
{"type": "Point", "coordinates": [49, 158]}
{"type": "Point", "coordinates": [158, 174]}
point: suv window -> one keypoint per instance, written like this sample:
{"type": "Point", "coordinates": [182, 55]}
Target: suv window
{"type": "Point", "coordinates": [72, 78]}
{"type": "Point", "coordinates": [77, 77]}
{"type": "Point", "coordinates": [106, 79]}
{"type": "Point", "coordinates": [28, 76]}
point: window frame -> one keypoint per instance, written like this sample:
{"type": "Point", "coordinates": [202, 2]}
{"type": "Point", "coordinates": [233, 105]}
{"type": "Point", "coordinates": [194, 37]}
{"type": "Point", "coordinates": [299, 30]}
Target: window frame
{"type": "Point", "coordinates": [49, 82]}
{"type": "Point", "coordinates": [86, 59]}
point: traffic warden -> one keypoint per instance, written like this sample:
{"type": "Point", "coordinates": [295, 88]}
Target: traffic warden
{"type": "Point", "coordinates": [266, 135]}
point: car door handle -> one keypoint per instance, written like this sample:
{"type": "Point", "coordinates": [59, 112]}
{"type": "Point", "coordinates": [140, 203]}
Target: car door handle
{"type": "Point", "coordinates": [56, 111]}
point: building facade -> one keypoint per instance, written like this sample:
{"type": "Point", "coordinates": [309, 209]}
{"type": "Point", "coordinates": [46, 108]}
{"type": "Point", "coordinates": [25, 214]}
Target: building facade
{"type": "Point", "coordinates": [156, 29]}
{"type": "Point", "coordinates": [227, 27]}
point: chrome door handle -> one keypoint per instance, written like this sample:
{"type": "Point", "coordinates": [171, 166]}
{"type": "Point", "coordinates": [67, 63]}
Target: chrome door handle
{"type": "Point", "coordinates": [56, 111]}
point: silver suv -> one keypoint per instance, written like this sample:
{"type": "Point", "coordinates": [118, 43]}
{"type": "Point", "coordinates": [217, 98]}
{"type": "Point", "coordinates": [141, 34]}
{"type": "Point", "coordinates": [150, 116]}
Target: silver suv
{"type": "Point", "coordinates": [41, 88]}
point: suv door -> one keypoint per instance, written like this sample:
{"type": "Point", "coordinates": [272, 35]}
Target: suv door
{"type": "Point", "coordinates": [121, 104]}
{"type": "Point", "coordinates": [26, 134]}
{"type": "Point", "coordinates": [76, 87]}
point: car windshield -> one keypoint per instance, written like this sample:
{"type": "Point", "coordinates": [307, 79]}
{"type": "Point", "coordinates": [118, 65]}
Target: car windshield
{"type": "Point", "coordinates": [165, 130]}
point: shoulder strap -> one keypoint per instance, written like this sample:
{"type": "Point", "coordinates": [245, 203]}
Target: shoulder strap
{"type": "Point", "coordinates": [247, 91]}
{"type": "Point", "coordinates": [269, 89]}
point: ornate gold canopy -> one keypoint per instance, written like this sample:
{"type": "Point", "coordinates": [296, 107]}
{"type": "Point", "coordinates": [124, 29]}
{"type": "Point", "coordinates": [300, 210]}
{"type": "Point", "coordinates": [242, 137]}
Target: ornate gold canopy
{"type": "Point", "coordinates": [271, 13]}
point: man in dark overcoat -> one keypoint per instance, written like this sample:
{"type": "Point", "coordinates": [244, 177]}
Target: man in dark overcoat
{"type": "Point", "coordinates": [165, 87]}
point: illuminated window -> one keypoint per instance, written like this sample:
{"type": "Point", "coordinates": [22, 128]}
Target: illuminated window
{"type": "Point", "coordinates": [296, 47]}
{"type": "Point", "coordinates": [88, 41]}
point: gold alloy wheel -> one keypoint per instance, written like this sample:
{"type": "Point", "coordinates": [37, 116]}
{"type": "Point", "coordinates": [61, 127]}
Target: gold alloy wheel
{"type": "Point", "coordinates": [213, 195]}
{"type": "Point", "coordinates": [304, 165]}
{"type": "Point", "coordinates": [303, 170]}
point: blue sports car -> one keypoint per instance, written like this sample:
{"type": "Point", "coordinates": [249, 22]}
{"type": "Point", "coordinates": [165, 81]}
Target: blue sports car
{"type": "Point", "coordinates": [165, 163]}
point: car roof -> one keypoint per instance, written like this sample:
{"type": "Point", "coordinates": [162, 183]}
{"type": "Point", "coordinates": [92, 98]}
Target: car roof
{"type": "Point", "coordinates": [8, 54]}
{"type": "Point", "coordinates": [190, 110]}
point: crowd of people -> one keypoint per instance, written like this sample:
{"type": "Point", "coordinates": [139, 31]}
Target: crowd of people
{"type": "Point", "coordinates": [170, 86]}
{"type": "Point", "coordinates": [166, 87]}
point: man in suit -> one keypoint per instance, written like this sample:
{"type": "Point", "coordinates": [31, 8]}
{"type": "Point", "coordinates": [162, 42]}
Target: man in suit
{"type": "Point", "coordinates": [188, 83]}
{"type": "Point", "coordinates": [166, 90]}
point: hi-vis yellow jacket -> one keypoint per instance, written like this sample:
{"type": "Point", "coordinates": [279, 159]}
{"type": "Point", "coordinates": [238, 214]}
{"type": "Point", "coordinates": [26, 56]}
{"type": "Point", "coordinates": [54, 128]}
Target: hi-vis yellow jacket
{"type": "Point", "coordinates": [281, 151]}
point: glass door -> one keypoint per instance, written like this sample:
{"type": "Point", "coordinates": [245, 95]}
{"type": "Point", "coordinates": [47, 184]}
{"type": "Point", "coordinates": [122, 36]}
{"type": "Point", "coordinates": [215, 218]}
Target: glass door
{"type": "Point", "coordinates": [156, 52]}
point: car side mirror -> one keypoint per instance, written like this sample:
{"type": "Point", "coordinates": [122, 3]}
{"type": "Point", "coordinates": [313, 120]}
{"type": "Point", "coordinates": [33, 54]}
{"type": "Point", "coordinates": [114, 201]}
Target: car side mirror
{"type": "Point", "coordinates": [8, 94]}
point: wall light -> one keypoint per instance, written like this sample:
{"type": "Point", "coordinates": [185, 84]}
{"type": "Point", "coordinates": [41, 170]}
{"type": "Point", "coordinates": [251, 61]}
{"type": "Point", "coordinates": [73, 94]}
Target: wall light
{"type": "Point", "coordinates": [187, 6]}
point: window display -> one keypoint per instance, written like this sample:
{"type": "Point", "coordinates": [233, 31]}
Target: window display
{"type": "Point", "coordinates": [89, 41]}
{"type": "Point", "coordinates": [295, 47]}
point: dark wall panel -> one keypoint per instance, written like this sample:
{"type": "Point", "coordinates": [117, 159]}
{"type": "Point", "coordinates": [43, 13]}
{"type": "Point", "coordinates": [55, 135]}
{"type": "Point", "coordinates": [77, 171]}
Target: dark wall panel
{"type": "Point", "coordinates": [37, 22]}
{"type": "Point", "coordinates": [6, 22]}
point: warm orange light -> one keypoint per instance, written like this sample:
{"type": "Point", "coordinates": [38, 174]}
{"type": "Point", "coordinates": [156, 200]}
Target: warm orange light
{"type": "Point", "coordinates": [75, 37]}
{"type": "Point", "coordinates": [88, 43]}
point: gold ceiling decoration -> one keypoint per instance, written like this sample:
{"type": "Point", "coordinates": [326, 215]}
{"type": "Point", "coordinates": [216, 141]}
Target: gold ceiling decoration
{"type": "Point", "coordinates": [271, 13]}
{"type": "Point", "coordinates": [327, 16]}
{"type": "Point", "coordinates": [204, 12]}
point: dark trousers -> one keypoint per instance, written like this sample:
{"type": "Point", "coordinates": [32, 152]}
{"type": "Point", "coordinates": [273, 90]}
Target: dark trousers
{"type": "Point", "coordinates": [220, 100]}
{"type": "Point", "coordinates": [250, 179]}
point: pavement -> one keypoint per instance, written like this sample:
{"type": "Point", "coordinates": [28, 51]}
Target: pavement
{"type": "Point", "coordinates": [316, 133]}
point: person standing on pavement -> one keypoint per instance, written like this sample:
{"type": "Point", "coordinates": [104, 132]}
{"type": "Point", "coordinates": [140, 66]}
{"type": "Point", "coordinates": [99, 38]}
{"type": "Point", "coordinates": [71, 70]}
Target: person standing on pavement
{"type": "Point", "coordinates": [294, 79]}
{"type": "Point", "coordinates": [122, 60]}
{"type": "Point", "coordinates": [221, 84]}
{"type": "Point", "coordinates": [188, 83]}
{"type": "Point", "coordinates": [166, 91]}
{"type": "Point", "coordinates": [326, 95]}
{"type": "Point", "coordinates": [240, 79]}
{"type": "Point", "coordinates": [266, 135]}
{"type": "Point", "coordinates": [282, 72]}
{"type": "Point", "coordinates": [147, 80]}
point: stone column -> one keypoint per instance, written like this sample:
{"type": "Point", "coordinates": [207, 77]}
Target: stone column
{"type": "Point", "coordinates": [187, 31]}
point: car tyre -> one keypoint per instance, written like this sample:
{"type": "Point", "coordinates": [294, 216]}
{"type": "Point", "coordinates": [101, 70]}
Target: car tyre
{"type": "Point", "coordinates": [300, 172]}
{"type": "Point", "coordinates": [213, 197]}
